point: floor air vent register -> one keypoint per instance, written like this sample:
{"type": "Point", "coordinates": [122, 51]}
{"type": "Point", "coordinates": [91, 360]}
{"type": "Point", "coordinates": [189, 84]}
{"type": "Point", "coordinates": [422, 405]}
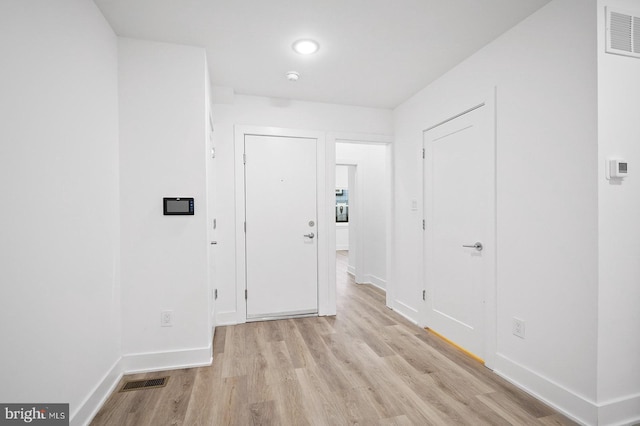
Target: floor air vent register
{"type": "Point", "coordinates": [144, 384]}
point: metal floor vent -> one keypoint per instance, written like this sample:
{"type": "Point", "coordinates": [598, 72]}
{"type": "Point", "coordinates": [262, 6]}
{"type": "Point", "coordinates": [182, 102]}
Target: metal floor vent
{"type": "Point", "coordinates": [145, 384]}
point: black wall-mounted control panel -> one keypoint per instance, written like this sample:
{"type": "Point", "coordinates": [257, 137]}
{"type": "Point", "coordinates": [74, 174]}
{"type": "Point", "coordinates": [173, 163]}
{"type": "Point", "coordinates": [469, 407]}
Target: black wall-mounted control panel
{"type": "Point", "coordinates": [177, 206]}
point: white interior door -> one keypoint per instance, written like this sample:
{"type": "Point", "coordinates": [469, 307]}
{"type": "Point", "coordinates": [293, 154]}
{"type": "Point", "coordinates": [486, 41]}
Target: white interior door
{"type": "Point", "coordinates": [459, 244]}
{"type": "Point", "coordinates": [281, 226]}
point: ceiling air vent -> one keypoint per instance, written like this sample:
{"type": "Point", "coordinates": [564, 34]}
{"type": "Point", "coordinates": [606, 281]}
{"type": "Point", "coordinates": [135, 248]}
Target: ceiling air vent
{"type": "Point", "coordinates": [623, 33]}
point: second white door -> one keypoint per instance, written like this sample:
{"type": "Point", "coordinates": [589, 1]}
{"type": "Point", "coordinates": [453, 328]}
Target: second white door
{"type": "Point", "coordinates": [281, 226]}
{"type": "Point", "coordinates": [460, 216]}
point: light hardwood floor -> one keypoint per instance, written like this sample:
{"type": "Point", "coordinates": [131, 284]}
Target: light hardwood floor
{"type": "Point", "coordinates": [365, 366]}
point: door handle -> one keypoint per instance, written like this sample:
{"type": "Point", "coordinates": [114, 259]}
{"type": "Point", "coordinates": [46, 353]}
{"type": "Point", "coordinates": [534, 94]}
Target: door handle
{"type": "Point", "coordinates": [478, 246]}
{"type": "Point", "coordinates": [310, 235]}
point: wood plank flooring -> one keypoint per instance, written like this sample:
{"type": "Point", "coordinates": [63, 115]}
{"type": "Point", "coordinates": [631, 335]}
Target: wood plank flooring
{"type": "Point", "coordinates": [365, 366]}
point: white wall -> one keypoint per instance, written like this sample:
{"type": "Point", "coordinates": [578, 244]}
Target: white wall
{"type": "Point", "coordinates": [60, 298]}
{"type": "Point", "coordinates": [619, 222]}
{"type": "Point", "coordinates": [547, 247]}
{"type": "Point", "coordinates": [369, 209]}
{"type": "Point", "coordinates": [258, 111]}
{"type": "Point", "coordinates": [163, 143]}
{"type": "Point", "coordinates": [342, 177]}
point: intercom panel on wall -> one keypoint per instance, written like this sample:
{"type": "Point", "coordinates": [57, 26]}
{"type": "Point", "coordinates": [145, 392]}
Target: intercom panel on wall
{"type": "Point", "coordinates": [177, 206]}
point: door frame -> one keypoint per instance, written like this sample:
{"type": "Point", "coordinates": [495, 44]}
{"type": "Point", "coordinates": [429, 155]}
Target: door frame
{"type": "Point", "coordinates": [485, 99]}
{"type": "Point", "coordinates": [364, 139]}
{"type": "Point", "coordinates": [326, 306]}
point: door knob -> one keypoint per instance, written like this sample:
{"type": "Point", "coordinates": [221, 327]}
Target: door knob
{"type": "Point", "coordinates": [310, 235]}
{"type": "Point", "coordinates": [477, 246]}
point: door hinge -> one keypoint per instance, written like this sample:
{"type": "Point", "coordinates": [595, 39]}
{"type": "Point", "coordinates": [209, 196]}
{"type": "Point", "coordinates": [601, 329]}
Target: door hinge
{"type": "Point", "coordinates": [244, 158]}
{"type": "Point", "coordinates": [424, 224]}
{"type": "Point", "coordinates": [424, 294]}
{"type": "Point", "coordinates": [423, 153]}
{"type": "Point", "coordinates": [245, 294]}
{"type": "Point", "coordinates": [215, 294]}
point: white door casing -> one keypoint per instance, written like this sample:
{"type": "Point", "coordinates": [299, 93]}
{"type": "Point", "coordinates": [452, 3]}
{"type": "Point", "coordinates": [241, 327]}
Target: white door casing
{"type": "Point", "coordinates": [281, 226]}
{"type": "Point", "coordinates": [459, 204]}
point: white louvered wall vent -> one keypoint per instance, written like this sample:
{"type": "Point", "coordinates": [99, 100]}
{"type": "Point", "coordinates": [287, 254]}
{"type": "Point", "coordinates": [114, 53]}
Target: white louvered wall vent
{"type": "Point", "coordinates": [623, 33]}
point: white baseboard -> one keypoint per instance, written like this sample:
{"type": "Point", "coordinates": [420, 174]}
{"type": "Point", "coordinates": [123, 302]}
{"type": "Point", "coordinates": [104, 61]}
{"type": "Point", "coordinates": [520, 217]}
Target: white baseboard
{"type": "Point", "coordinates": [572, 405]}
{"type": "Point", "coordinates": [406, 311]}
{"type": "Point", "coordinates": [342, 247]}
{"type": "Point", "coordinates": [169, 360]}
{"type": "Point", "coordinates": [226, 318]}
{"type": "Point", "coordinates": [351, 270]}
{"type": "Point", "coordinates": [376, 282]}
{"type": "Point", "coordinates": [98, 396]}
{"type": "Point", "coordinates": [620, 412]}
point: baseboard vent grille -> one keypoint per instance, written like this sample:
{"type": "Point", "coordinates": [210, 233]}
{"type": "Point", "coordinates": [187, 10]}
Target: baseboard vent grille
{"type": "Point", "coordinates": [623, 33]}
{"type": "Point", "coordinates": [145, 384]}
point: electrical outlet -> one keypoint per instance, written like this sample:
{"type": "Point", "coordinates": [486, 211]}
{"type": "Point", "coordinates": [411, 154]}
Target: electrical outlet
{"type": "Point", "coordinates": [166, 319]}
{"type": "Point", "coordinates": [518, 327]}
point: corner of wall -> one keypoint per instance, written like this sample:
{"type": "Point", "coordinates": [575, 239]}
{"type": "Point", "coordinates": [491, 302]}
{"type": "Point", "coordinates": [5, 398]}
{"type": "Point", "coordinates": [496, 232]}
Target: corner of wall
{"type": "Point", "coordinates": [98, 395]}
{"type": "Point", "coordinates": [568, 402]}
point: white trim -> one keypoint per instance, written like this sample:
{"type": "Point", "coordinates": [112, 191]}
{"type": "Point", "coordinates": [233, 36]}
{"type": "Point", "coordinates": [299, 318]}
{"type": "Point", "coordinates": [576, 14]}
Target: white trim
{"type": "Point", "coordinates": [326, 231]}
{"type": "Point", "coordinates": [351, 270]}
{"type": "Point", "coordinates": [375, 281]}
{"type": "Point", "coordinates": [361, 138]}
{"type": "Point", "coordinates": [406, 311]}
{"type": "Point", "coordinates": [577, 407]}
{"type": "Point", "coordinates": [282, 316]}
{"type": "Point", "coordinates": [98, 396]}
{"type": "Point", "coordinates": [226, 318]}
{"type": "Point", "coordinates": [620, 411]}
{"type": "Point", "coordinates": [241, 306]}
{"type": "Point", "coordinates": [326, 221]}
{"type": "Point", "coordinates": [409, 313]}
{"type": "Point", "coordinates": [390, 178]}
{"type": "Point", "coordinates": [167, 360]}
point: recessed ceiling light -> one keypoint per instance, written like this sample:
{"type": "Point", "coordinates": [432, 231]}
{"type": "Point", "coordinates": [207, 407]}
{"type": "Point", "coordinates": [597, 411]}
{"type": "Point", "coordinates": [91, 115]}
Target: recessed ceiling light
{"type": "Point", "coordinates": [292, 76]}
{"type": "Point", "coordinates": [306, 46]}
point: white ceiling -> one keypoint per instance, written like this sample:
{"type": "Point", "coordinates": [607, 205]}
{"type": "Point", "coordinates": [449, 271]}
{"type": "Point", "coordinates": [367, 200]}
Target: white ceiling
{"type": "Point", "coordinates": [374, 53]}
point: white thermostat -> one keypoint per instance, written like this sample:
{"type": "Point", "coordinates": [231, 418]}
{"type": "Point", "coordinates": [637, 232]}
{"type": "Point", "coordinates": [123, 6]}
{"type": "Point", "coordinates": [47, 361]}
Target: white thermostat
{"type": "Point", "coordinates": [618, 169]}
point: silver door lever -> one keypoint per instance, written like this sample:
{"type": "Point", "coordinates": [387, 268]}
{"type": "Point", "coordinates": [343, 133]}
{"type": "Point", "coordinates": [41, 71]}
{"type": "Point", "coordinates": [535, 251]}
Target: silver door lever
{"type": "Point", "coordinates": [477, 246]}
{"type": "Point", "coordinates": [311, 235]}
